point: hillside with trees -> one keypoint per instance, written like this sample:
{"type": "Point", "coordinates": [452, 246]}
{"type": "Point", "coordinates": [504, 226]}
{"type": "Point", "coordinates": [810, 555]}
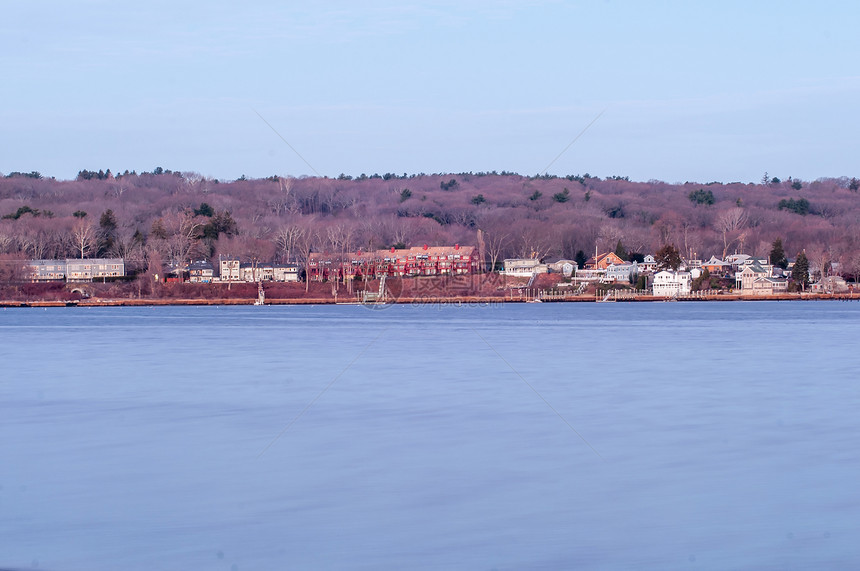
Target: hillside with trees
{"type": "Point", "coordinates": [164, 217]}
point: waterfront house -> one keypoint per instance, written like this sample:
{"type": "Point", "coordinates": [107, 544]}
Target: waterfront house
{"type": "Point", "coordinates": [563, 267]}
{"type": "Point", "coordinates": [48, 270]}
{"type": "Point", "coordinates": [524, 267]}
{"type": "Point", "coordinates": [76, 270]}
{"type": "Point", "coordinates": [603, 261]}
{"type": "Point", "coordinates": [759, 279]}
{"type": "Point", "coordinates": [285, 272]}
{"type": "Point", "coordinates": [672, 284]}
{"type": "Point", "coordinates": [717, 267]}
{"type": "Point", "coordinates": [648, 264]}
{"type": "Point", "coordinates": [230, 269]}
{"type": "Point", "coordinates": [620, 273]}
{"type": "Point", "coordinates": [748, 273]}
{"type": "Point", "coordinates": [88, 269]}
{"type": "Point", "coordinates": [256, 272]}
{"type": "Point", "coordinates": [830, 284]}
{"type": "Point", "coordinates": [201, 272]}
{"type": "Point", "coordinates": [769, 286]}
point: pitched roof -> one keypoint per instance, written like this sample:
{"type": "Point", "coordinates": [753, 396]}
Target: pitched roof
{"type": "Point", "coordinates": [602, 257]}
{"type": "Point", "coordinates": [754, 267]}
{"type": "Point", "coordinates": [435, 251]}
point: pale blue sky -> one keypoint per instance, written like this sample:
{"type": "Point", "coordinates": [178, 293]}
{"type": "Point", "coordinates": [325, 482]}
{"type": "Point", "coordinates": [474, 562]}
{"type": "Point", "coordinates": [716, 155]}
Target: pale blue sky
{"type": "Point", "coordinates": [692, 90]}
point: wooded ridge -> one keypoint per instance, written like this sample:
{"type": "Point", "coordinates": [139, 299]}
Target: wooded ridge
{"type": "Point", "coordinates": [168, 217]}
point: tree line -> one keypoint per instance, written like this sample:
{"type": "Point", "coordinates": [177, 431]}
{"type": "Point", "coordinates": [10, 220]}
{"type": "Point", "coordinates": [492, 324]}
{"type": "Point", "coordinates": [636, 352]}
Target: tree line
{"type": "Point", "coordinates": [170, 217]}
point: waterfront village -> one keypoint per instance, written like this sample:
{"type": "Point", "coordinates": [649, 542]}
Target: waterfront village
{"type": "Point", "coordinates": [603, 274]}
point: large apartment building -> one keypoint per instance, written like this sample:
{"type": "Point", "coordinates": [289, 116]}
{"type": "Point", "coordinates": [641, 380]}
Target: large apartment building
{"type": "Point", "coordinates": [406, 262]}
{"type": "Point", "coordinates": [76, 270]}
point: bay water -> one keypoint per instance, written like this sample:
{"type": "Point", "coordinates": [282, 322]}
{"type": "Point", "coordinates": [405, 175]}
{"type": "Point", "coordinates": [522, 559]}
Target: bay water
{"type": "Point", "coordinates": [514, 436]}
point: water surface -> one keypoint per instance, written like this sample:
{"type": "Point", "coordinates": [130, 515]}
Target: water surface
{"type": "Point", "coordinates": [540, 436]}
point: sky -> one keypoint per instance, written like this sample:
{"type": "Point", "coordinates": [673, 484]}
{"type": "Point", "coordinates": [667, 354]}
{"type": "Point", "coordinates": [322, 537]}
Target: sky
{"type": "Point", "coordinates": [673, 91]}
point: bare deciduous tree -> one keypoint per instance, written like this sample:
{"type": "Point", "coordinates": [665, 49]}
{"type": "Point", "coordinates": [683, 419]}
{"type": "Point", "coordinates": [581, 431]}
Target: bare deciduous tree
{"type": "Point", "coordinates": [608, 237]}
{"type": "Point", "coordinates": [286, 239]}
{"type": "Point", "coordinates": [128, 246]}
{"type": "Point", "coordinates": [306, 243]}
{"type": "Point", "coordinates": [84, 237]}
{"type": "Point", "coordinates": [339, 236]}
{"type": "Point", "coordinates": [13, 268]}
{"type": "Point", "coordinates": [183, 230]}
{"type": "Point", "coordinates": [7, 243]}
{"type": "Point", "coordinates": [533, 240]}
{"type": "Point", "coordinates": [820, 257]}
{"type": "Point", "coordinates": [496, 243]}
{"type": "Point", "coordinates": [730, 223]}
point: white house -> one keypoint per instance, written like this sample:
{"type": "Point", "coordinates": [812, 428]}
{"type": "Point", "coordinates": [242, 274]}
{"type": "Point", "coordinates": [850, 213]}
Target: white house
{"type": "Point", "coordinates": [256, 272]}
{"type": "Point", "coordinates": [648, 265]}
{"type": "Point", "coordinates": [671, 284]}
{"type": "Point", "coordinates": [524, 267]}
{"type": "Point", "coordinates": [230, 269]}
{"type": "Point", "coordinates": [285, 273]}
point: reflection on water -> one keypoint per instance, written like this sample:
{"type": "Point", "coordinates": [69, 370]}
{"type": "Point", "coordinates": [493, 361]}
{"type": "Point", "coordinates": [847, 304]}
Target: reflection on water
{"type": "Point", "coordinates": [724, 435]}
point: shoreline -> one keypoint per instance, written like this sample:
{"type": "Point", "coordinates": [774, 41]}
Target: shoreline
{"type": "Point", "coordinates": [426, 300]}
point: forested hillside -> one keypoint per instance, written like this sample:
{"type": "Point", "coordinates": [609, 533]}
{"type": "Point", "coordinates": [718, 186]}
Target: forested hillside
{"type": "Point", "coordinates": [165, 217]}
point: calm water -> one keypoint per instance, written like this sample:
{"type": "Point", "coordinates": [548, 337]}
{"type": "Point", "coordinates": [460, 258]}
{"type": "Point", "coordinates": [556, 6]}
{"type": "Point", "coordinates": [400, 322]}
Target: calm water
{"type": "Point", "coordinates": [541, 436]}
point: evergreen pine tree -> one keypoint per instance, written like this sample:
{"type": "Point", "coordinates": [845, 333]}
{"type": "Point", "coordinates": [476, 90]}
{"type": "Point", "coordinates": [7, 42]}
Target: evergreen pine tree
{"type": "Point", "coordinates": [800, 272]}
{"type": "Point", "coordinates": [580, 259]}
{"type": "Point", "coordinates": [777, 254]}
{"type": "Point", "coordinates": [620, 251]}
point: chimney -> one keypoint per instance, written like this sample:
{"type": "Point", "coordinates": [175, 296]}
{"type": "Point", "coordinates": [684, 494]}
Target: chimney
{"type": "Point", "coordinates": [392, 249]}
{"type": "Point", "coordinates": [456, 246]}
{"type": "Point", "coordinates": [425, 246]}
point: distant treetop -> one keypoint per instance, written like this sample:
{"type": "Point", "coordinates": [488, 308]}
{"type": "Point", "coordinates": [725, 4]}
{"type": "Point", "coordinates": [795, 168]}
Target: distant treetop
{"type": "Point", "coordinates": [701, 196]}
{"type": "Point", "coordinates": [32, 174]}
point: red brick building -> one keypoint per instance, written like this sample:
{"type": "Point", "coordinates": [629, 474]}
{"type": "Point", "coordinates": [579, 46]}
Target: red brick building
{"type": "Point", "coordinates": [420, 261]}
